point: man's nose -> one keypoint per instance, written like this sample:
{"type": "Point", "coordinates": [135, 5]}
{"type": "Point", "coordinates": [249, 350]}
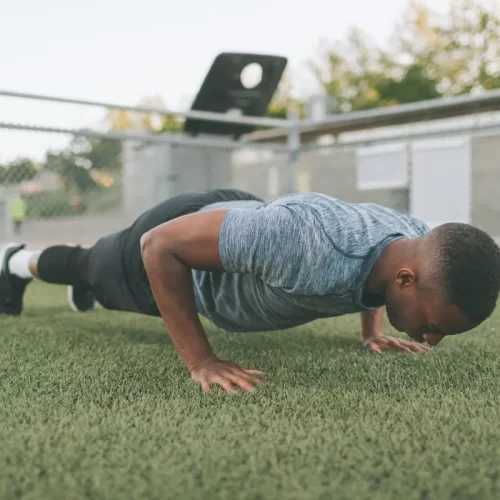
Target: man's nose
{"type": "Point", "coordinates": [433, 338]}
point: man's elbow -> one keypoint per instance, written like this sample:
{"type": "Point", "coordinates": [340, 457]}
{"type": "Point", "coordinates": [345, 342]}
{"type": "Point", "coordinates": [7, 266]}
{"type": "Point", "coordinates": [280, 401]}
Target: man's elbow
{"type": "Point", "coordinates": [151, 240]}
{"type": "Point", "coordinates": [146, 239]}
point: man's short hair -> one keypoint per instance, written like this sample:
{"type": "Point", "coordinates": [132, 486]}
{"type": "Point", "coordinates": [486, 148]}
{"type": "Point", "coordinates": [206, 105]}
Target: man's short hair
{"type": "Point", "coordinates": [468, 262]}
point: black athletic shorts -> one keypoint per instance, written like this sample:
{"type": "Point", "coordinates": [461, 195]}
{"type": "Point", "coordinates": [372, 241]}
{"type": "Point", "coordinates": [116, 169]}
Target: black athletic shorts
{"type": "Point", "coordinates": [116, 271]}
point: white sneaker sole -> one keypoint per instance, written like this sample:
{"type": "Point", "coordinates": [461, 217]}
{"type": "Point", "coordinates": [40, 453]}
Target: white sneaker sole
{"type": "Point", "coordinates": [3, 251]}
{"type": "Point", "coordinates": [69, 294]}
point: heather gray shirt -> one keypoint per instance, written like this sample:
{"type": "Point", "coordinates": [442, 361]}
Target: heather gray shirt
{"type": "Point", "coordinates": [296, 259]}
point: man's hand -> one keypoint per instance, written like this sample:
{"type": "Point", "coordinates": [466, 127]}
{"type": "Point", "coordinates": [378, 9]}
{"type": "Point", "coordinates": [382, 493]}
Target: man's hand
{"type": "Point", "coordinates": [226, 374]}
{"type": "Point", "coordinates": [376, 341]}
{"type": "Point", "coordinates": [379, 343]}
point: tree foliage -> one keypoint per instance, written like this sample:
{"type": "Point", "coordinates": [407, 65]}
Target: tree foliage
{"type": "Point", "coordinates": [283, 100]}
{"type": "Point", "coordinates": [125, 120]}
{"type": "Point", "coordinates": [17, 171]}
{"type": "Point", "coordinates": [429, 56]}
{"type": "Point", "coordinates": [460, 50]}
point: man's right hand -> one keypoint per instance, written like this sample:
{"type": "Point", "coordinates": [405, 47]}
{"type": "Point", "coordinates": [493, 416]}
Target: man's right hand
{"type": "Point", "coordinates": [226, 374]}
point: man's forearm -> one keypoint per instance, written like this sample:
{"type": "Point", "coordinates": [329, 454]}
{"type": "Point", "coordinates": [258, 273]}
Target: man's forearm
{"type": "Point", "coordinates": [372, 323]}
{"type": "Point", "coordinates": [172, 287]}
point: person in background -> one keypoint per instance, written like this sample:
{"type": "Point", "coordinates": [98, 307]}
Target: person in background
{"type": "Point", "coordinates": [17, 212]}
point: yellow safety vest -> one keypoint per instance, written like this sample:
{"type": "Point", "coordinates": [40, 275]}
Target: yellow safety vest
{"type": "Point", "coordinates": [17, 209]}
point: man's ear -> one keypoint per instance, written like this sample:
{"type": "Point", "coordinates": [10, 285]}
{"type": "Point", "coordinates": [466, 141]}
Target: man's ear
{"type": "Point", "coordinates": [405, 278]}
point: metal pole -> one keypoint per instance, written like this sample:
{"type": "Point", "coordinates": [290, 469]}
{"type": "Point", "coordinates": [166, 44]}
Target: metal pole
{"type": "Point", "coordinates": [409, 152]}
{"type": "Point", "coordinates": [293, 145]}
{"type": "Point", "coordinates": [175, 139]}
{"type": "Point", "coordinates": [198, 115]}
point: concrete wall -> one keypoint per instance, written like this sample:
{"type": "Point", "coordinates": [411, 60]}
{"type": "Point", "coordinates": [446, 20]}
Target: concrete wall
{"type": "Point", "coordinates": [155, 172]}
{"type": "Point", "coordinates": [198, 169]}
{"type": "Point", "coordinates": [146, 175]}
{"type": "Point", "coordinates": [485, 183]}
{"type": "Point", "coordinates": [332, 172]}
{"type": "Point", "coordinates": [335, 174]}
{"type": "Point", "coordinates": [262, 173]}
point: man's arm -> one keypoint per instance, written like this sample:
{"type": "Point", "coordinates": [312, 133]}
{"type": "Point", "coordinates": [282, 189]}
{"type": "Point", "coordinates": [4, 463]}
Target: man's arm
{"type": "Point", "coordinates": [170, 251]}
{"type": "Point", "coordinates": [372, 323]}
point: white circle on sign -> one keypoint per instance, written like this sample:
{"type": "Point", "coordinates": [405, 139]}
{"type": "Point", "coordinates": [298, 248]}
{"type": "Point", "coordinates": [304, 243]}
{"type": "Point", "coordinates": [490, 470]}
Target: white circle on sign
{"type": "Point", "coordinates": [251, 75]}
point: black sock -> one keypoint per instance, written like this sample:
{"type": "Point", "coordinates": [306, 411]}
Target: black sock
{"type": "Point", "coordinates": [64, 265]}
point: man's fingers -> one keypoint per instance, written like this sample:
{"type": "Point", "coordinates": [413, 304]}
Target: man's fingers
{"type": "Point", "coordinates": [205, 385]}
{"type": "Point", "coordinates": [241, 374]}
{"type": "Point", "coordinates": [248, 374]}
{"type": "Point", "coordinates": [419, 348]}
{"type": "Point", "coordinates": [241, 382]}
{"type": "Point", "coordinates": [414, 346]}
{"type": "Point", "coordinates": [252, 372]}
{"type": "Point", "coordinates": [224, 382]}
{"type": "Point", "coordinates": [374, 348]}
{"type": "Point", "coordinates": [384, 343]}
{"type": "Point", "coordinates": [253, 378]}
{"type": "Point", "coordinates": [401, 346]}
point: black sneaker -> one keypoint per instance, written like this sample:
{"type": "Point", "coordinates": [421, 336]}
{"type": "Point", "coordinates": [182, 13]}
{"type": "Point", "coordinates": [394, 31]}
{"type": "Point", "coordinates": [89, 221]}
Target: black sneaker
{"type": "Point", "coordinates": [11, 286]}
{"type": "Point", "coordinates": [80, 298]}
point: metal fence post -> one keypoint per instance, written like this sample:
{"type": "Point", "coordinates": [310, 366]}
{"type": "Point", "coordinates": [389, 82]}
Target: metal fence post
{"type": "Point", "coordinates": [409, 152]}
{"type": "Point", "coordinates": [293, 144]}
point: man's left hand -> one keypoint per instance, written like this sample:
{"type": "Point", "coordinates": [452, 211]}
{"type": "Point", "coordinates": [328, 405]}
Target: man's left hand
{"type": "Point", "coordinates": [379, 343]}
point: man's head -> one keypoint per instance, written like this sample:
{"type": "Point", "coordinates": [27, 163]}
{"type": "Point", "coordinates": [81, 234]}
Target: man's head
{"type": "Point", "coordinates": [449, 285]}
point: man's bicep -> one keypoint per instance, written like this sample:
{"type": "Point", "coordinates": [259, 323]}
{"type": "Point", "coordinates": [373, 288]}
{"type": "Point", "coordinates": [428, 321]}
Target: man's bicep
{"type": "Point", "coordinates": [268, 243]}
{"type": "Point", "coordinates": [193, 239]}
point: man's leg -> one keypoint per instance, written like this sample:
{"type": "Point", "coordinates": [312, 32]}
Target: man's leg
{"type": "Point", "coordinates": [60, 264]}
{"type": "Point", "coordinates": [111, 271]}
{"type": "Point", "coordinates": [90, 274]}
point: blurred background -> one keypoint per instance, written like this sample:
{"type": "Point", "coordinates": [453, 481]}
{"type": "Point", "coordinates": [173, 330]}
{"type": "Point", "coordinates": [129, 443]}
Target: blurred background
{"type": "Point", "coordinates": [108, 108]}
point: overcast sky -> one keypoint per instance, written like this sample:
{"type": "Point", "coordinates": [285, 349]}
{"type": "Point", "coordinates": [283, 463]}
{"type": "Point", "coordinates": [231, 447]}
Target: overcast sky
{"type": "Point", "coordinates": [122, 51]}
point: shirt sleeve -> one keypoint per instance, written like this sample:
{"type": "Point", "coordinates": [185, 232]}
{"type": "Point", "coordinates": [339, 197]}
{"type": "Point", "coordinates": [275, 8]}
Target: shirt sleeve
{"type": "Point", "coordinates": [284, 245]}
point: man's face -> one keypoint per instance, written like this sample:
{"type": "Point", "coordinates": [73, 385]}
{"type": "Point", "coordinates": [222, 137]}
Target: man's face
{"type": "Point", "coordinates": [422, 312]}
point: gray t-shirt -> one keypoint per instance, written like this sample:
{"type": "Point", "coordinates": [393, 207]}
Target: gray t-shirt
{"type": "Point", "coordinates": [296, 259]}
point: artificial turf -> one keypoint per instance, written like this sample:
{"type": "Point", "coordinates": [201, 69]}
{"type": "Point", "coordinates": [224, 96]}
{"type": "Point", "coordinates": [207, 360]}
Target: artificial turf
{"type": "Point", "coordinates": [99, 406]}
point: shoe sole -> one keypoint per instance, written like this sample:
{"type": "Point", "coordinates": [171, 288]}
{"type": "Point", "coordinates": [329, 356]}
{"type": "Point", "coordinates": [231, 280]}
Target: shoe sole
{"type": "Point", "coordinates": [69, 289]}
{"type": "Point", "coordinates": [3, 251]}
{"type": "Point", "coordinates": [69, 294]}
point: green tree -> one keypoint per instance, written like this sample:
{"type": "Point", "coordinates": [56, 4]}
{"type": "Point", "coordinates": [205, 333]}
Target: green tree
{"type": "Point", "coordinates": [459, 51]}
{"type": "Point", "coordinates": [17, 171]}
{"type": "Point", "coordinates": [351, 70]}
{"type": "Point", "coordinates": [283, 100]}
{"type": "Point", "coordinates": [413, 86]}
{"type": "Point", "coordinates": [97, 153]}
{"type": "Point", "coordinates": [124, 120]}
{"type": "Point", "coordinates": [429, 56]}
{"type": "Point", "coordinates": [73, 174]}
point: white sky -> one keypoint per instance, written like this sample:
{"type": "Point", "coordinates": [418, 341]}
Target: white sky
{"type": "Point", "coordinates": [121, 51]}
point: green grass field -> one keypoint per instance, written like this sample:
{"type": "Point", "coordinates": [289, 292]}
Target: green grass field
{"type": "Point", "coordinates": [98, 406]}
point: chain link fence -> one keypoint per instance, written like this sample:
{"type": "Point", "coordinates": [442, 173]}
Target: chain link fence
{"type": "Point", "coordinates": [64, 194]}
{"type": "Point", "coordinates": [68, 183]}
{"type": "Point", "coordinates": [87, 169]}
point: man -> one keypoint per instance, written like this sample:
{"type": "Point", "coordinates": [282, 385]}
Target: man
{"type": "Point", "coordinates": [247, 265]}
{"type": "Point", "coordinates": [17, 211]}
